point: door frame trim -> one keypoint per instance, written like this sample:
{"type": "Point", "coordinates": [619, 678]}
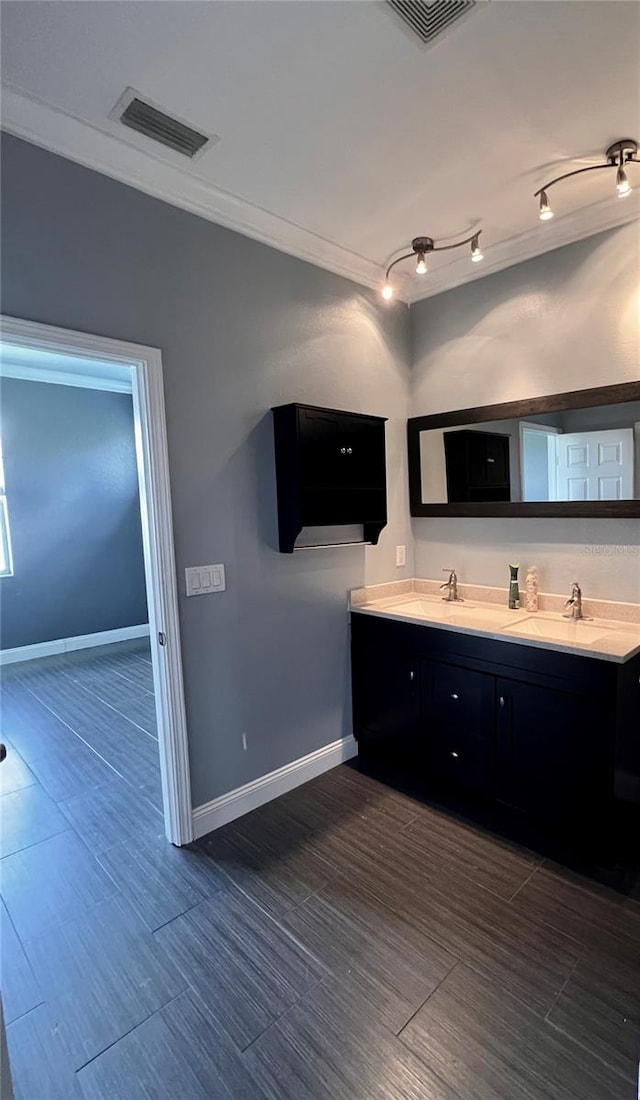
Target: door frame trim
{"type": "Point", "coordinates": [157, 537]}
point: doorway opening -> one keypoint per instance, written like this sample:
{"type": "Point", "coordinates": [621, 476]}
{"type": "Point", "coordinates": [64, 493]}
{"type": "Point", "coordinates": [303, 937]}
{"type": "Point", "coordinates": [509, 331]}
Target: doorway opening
{"type": "Point", "coordinates": [105, 705]}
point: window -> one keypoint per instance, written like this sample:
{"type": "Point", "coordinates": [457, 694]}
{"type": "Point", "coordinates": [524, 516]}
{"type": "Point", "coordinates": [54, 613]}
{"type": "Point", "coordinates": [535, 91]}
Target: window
{"type": "Point", "coordinates": [6, 564]}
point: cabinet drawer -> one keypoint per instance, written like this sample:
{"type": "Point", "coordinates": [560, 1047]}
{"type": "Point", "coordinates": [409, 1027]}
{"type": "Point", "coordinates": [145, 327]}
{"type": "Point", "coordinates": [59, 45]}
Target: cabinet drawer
{"type": "Point", "coordinates": [460, 697]}
{"type": "Point", "coordinates": [463, 759]}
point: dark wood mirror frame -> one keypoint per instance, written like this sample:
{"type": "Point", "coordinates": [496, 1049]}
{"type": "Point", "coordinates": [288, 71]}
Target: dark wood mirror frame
{"type": "Point", "coordinates": [557, 402]}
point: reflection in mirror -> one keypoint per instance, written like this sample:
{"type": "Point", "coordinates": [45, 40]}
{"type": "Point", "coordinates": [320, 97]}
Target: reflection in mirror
{"type": "Point", "coordinates": [577, 454]}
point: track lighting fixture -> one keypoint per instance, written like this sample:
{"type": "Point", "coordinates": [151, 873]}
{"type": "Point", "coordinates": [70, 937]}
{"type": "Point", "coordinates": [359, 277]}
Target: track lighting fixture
{"type": "Point", "coordinates": [421, 247]}
{"type": "Point", "coordinates": [617, 156]}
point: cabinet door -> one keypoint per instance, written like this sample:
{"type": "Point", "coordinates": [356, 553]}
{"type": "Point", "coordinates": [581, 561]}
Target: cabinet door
{"type": "Point", "coordinates": [554, 750]}
{"type": "Point", "coordinates": [385, 701]}
{"type": "Point", "coordinates": [361, 452]}
{"type": "Point", "coordinates": [488, 459]}
{"type": "Point", "coordinates": [457, 724]}
{"type": "Point", "coordinates": [319, 447]}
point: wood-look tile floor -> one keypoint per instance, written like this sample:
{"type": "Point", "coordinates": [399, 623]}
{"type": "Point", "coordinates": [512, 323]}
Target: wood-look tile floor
{"type": "Point", "coordinates": [346, 942]}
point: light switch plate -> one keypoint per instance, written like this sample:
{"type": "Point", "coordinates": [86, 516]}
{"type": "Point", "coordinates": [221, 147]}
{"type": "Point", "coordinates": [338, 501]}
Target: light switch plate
{"type": "Point", "coordinates": [401, 555]}
{"type": "Point", "coordinates": [203, 579]}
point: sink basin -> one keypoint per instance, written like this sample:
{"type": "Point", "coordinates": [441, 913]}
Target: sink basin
{"type": "Point", "coordinates": [560, 630]}
{"type": "Point", "coordinates": [457, 614]}
{"type": "Point", "coordinates": [427, 609]}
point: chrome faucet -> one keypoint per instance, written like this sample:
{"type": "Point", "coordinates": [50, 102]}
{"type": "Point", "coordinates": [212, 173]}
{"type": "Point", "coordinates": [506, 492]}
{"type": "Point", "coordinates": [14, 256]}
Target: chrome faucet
{"type": "Point", "coordinates": [451, 586]}
{"type": "Point", "coordinates": [574, 603]}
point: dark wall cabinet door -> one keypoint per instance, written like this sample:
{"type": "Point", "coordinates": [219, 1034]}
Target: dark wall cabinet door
{"type": "Point", "coordinates": [361, 452]}
{"type": "Point", "coordinates": [554, 749]}
{"type": "Point", "coordinates": [457, 724]}
{"type": "Point", "coordinates": [489, 459]}
{"type": "Point", "coordinates": [319, 447]}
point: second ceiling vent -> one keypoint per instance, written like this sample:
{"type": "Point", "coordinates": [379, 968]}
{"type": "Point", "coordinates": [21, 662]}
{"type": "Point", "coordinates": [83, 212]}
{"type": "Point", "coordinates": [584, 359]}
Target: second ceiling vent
{"type": "Point", "coordinates": [428, 19]}
{"type": "Point", "coordinates": [140, 115]}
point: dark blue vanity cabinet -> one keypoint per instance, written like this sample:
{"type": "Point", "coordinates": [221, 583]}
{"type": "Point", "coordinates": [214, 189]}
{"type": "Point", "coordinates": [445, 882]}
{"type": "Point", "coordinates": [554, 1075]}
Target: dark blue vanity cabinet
{"type": "Point", "coordinates": [330, 471]}
{"type": "Point", "coordinates": [548, 733]}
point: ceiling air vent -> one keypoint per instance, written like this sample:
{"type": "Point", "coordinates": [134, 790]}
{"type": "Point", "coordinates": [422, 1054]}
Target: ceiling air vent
{"type": "Point", "coordinates": [428, 19]}
{"type": "Point", "coordinates": [158, 126]}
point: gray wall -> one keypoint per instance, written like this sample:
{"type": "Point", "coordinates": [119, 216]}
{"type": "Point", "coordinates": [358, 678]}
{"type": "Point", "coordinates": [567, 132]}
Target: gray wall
{"type": "Point", "coordinates": [241, 327]}
{"type": "Point", "coordinates": [569, 319]}
{"type": "Point", "coordinates": [74, 513]}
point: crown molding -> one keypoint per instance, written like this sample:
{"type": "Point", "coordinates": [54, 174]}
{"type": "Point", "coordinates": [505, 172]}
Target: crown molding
{"type": "Point", "coordinates": [59, 132]}
{"type": "Point", "coordinates": [70, 137]}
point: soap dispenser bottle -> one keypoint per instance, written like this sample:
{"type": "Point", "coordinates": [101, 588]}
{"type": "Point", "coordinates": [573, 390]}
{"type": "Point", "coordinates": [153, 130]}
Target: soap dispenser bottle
{"type": "Point", "coordinates": [531, 589]}
{"type": "Point", "coordinates": [514, 591]}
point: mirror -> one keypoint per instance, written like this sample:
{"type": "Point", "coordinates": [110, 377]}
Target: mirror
{"type": "Point", "coordinates": [569, 454]}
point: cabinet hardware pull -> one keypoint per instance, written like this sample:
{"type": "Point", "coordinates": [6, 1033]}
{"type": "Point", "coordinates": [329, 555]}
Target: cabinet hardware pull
{"type": "Point", "coordinates": [162, 637]}
{"type": "Point", "coordinates": [411, 675]}
{"type": "Point", "coordinates": [453, 695]}
{"type": "Point", "coordinates": [343, 450]}
{"type": "Point", "coordinates": [492, 461]}
{"type": "Point", "coordinates": [349, 450]}
{"type": "Point", "coordinates": [502, 700]}
{"type": "Point", "coordinates": [455, 754]}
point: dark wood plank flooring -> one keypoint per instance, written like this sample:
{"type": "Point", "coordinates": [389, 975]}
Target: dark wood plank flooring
{"type": "Point", "coordinates": [346, 942]}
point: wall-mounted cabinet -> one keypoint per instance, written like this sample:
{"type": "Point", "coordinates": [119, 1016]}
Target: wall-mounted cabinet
{"type": "Point", "coordinates": [477, 466]}
{"type": "Point", "coordinates": [330, 471]}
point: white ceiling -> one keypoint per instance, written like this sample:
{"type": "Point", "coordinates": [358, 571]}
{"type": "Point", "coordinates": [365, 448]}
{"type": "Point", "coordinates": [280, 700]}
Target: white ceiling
{"type": "Point", "coordinates": [341, 137]}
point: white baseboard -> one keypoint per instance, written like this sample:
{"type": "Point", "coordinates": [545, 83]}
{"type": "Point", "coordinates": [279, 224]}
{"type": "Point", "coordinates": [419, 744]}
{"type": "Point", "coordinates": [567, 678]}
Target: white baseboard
{"type": "Point", "coordinates": [67, 645]}
{"type": "Point", "coordinates": [220, 811]}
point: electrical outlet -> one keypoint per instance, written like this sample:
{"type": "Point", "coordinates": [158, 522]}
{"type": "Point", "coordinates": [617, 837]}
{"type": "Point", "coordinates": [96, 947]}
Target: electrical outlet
{"type": "Point", "coordinates": [401, 555]}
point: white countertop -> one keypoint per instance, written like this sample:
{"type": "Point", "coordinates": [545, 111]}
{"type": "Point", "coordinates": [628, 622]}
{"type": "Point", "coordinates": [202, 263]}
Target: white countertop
{"type": "Point", "coordinates": [607, 639]}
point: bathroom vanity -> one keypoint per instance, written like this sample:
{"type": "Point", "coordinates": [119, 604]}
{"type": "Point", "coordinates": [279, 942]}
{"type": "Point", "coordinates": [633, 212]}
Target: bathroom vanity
{"type": "Point", "coordinates": [534, 711]}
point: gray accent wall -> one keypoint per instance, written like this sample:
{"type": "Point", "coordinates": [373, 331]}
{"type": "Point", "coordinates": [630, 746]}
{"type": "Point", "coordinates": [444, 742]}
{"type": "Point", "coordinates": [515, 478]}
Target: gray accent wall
{"type": "Point", "coordinates": [567, 320]}
{"type": "Point", "coordinates": [74, 513]}
{"type": "Point", "coordinates": [241, 327]}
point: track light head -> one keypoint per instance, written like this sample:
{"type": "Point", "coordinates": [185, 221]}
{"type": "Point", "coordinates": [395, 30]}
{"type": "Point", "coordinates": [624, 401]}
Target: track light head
{"type": "Point", "coordinates": [387, 292]}
{"type": "Point", "coordinates": [622, 183]}
{"type": "Point", "coordinates": [476, 252]}
{"type": "Point", "coordinates": [545, 212]}
{"type": "Point", "coordinates": [421, 266]}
